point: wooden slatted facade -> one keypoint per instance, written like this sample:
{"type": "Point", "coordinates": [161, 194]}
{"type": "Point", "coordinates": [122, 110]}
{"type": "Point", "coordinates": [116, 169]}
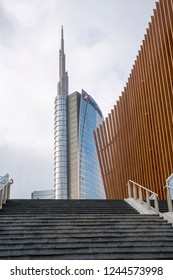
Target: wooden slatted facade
{"type": "Point", "coordinates": [135, 141]}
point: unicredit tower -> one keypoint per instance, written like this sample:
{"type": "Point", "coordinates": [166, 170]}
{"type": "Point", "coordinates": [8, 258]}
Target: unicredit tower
{"type": "Point", "coordinates": [76, 168]}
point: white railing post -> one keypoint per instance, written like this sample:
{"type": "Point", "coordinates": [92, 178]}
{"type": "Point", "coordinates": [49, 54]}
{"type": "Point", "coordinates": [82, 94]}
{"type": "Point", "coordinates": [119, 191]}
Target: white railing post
{"type": "Point", "coordinates": [8, 190]}
{"type": "Point", "coordinates": [134, 192]}
{"type": "Point", "coordinates": [148, 199]}
{"type": "Point", "coordinates": [3, 195]}
{"type": "Point", "coordinates": [140, 195]}
{"type": "Point", "coordinates": [129, 190]}
{"type": "Point", "coordinates": [156, 204]}
{"type": "Point", "coordinates": [169, 201]}
{"type": "Point", "coordinates": [0, 199]}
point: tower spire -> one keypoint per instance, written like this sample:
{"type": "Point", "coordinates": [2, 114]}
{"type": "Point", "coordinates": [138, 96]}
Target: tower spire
{"type": "Point", "coordinates": [63, 76]}
{"type": "Point", "coordinates": [62, 39]}
{"type": "Point", "coordinates": [62, 32]}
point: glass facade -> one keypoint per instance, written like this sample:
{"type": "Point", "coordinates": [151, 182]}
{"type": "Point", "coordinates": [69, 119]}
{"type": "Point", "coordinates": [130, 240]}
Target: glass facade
{"type": "Point", "coordinates": [47, 194]}
{"type": "Point", "coordinates": [169, 183]}
{"type": "Point", "coordinates": [90, 180]}
{"type": "Point", "coordinates": [73, 144]}
{"type": "Point", "coordinates": [4, 180]}
{"type": "Point", "coordinates": [60, 150]}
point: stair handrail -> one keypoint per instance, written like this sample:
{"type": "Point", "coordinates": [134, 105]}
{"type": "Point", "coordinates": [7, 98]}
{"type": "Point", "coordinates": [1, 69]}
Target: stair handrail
{"type": "Point", "coordinates": [5, 190]}
{"type": "Point", "coordinates": [168, 195]}
{"type": "Point", "coordinates": [134, 194]}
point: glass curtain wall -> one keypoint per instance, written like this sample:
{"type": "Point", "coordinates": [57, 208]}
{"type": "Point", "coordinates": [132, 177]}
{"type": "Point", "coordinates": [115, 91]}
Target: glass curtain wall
{"type": "Point", "coordinates": [60, 153]}
{"type": "Point", "coordinates": [90, 180]}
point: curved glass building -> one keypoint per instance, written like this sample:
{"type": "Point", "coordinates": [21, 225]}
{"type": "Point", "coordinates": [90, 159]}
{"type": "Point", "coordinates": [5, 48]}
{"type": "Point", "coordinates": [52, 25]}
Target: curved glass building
{"type": "Point", "coordinates": [84, 115]}
{"type": "Point", "coordinates": [90, 117]}
{"type": "Point", "coordinates": [77, 173]}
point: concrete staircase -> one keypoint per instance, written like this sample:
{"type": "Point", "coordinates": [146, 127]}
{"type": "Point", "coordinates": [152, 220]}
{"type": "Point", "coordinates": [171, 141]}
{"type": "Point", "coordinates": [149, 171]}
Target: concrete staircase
{"type": "Point", "coordinates": [81, 229]}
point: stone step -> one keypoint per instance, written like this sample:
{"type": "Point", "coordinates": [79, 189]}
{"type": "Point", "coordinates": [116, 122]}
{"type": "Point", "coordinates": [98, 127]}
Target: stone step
{"type": "Point", "coordinates": [25, 216]}
{"type": "Point", "coordinates": [76, 233]}
{"type": "Point", "coordinates": [81, 240]}
{"type": "Point", "coordinates": [96, 256]}
{"type": "Point", "coordinates": [84, 223]}
{"type": "Point", "coordinates": [84, 227]}
{"type": "Point", "coordinates": [72, 211]}
{"type": "Point", "coordinates": [61, 209]}
{"type": "Point", "coordinates": [149, 225]}
{"type": "Point", "coordinates": [66, 202]}
{"type": "Point", "coordinates": [86, 244]}
{"type": "Point", "coordinates": [83, 251]}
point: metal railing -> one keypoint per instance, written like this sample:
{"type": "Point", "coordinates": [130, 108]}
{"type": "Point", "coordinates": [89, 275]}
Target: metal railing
{"type": "Point", "coordinates": [5, 187]}
{"type": "Point", "coordinates": [135, 191]}
{"type": "Point", "coordinates": [168, 195]}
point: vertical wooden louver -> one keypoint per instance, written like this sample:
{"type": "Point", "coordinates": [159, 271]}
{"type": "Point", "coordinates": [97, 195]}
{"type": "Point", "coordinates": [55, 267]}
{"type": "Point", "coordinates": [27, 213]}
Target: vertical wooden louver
{"type": "Point", "coordinates": [135, 141]}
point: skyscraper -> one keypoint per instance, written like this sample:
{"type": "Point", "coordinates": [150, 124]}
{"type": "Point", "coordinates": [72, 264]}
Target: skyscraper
{"type": "Point", "coordinates": [76, 168]}
{"type": "Point", "coordinates": [60, 133]}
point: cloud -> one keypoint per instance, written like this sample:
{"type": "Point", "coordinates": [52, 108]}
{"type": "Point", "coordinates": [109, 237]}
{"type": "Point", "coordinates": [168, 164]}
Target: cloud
{"type": "Point", "coordinates": [31, 168]}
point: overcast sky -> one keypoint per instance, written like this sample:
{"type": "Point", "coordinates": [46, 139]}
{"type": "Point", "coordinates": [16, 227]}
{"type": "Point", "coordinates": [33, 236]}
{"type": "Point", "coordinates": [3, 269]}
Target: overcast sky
{"type": "Point", "coordinates": [102, 38]}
